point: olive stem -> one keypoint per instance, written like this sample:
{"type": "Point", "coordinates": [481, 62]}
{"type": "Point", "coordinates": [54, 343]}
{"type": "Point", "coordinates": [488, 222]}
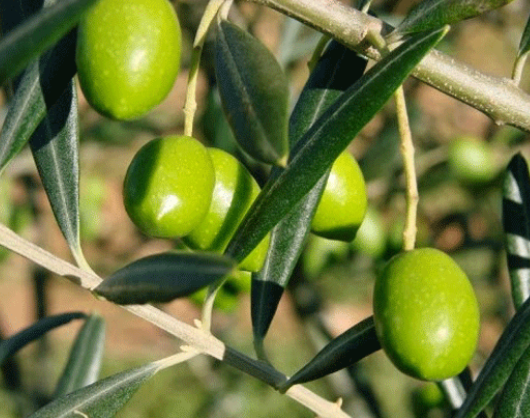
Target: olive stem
{"type": "Point", "coordinates": [407, 153]}
{"type": "Point", "coordinates": [207, 307]}
{"type": "Point", "coordinates": [518, 67]}
{"type": "Point", "coordinates": [190, 106]}
{"type": "Point", "coordinates": [497, 97]}
{"type": "Point", "coordinates": [197, 339]}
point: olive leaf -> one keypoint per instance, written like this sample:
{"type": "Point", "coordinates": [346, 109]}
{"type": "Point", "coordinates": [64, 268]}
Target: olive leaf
{"type": "Point", "coordinates": [343, 351]}
{"type": "Point", "coordinates": [38, 33]}
{"type": "Point", "coordinates": [524, 44]}
{"type": "Point", "coordinates": [337, 69]}
{"type": "Point", "coordinates": [516, 223]}
{"type": "Point", "coordinates": [513, 342]}
{"type": "Point", "coordinates": [431, 14]}
{"type": "Point", "coordinates": [11, 345]}
{"type": "Point", "coordinates": [514, 401]}
{"type": "Point", "coordinates": [40, 86]}
{"type": "Point", "coordinates": [164, 277]}
{"type": "Point", "coordinates": [84, 362]}
{"type": "Point", "coordinates": [56, 152]}
{"type": "Point", "coordinates": [316, 151]}
{"type": "Point", "coordinates": [254, 93]}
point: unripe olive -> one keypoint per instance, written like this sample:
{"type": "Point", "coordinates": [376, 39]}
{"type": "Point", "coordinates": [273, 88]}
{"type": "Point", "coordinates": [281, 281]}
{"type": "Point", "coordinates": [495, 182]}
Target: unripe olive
{"type": "Point", "coordinates": [426, 314]}
{"type": "Point", "coordinates": [168, 186]}
{"type": "Point", "coordinates": [128, 55]}
{"type": "Point", "coordinates": [234, 192]}
{"type": "Point", "coordinates": [341, 209]}
{"type": "Point", "coordinates": [471, 161]}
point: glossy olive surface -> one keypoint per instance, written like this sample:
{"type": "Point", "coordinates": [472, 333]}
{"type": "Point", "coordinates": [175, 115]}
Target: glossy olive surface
{"type": "Point", "coordinates": [426, 314]}
{"type": "Point", "coordinates": [235, 190]}
{"type": "Point", "coordinates": [342, 207]}
{"type": "Point", "coordinates": [128, 55]}
{"type": "Point", "coordinates": [168, 186]}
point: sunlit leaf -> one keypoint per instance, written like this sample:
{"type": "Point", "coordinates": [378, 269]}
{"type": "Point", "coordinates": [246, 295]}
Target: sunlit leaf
{"type": "Point", "coordinates": [40, 86]}
{"type": "Point", "coordinates": [56, 152]}
{"type": "Point", "coordinates": [431, 14]}
{"type": "Point", "coordinates": [254, 93]}
{"type": "Point", "coordinates": [513, 342]}
{"type": "Point", "coordinates": [30, 39]}
{"type": "Point", "coordinates": [516, 223]}
{"type": "Point", "coordinates": [106, 397]}
{"type": "Point", "coordinates": [11, 345]}
{"type": "Point", "coordinates": [102, 399]}
{"type": "Point", "coordinates": [164, 277]}
{"type": "Point", "coordinates": [85, 358]}
{"type": "Point", "coordinates": [343, 351]}
{"type": "Point", "coordinates": [315, 153]}
{"type": "Point", "coordinates": [337, 70]}
{"type": "Point", "coordinates": [514, 401]}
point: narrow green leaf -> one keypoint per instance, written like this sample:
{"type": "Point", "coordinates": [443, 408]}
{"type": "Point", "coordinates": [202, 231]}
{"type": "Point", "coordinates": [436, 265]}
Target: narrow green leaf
{"type": "Point", "coordinates": [30, 39]}
{"type": "Point", "coordinates": [254, 93]}
{"type": "Point", "coordinates": [102, 399]}
{"type": "Point", "coordinates": [55, 149]}
{"type": "Point", "coordinates": [343, 351]}
{"type": "Point", "coordinates": [524, 44]}
{"type": "Point", "coordinates": [41, 85]}
{"type": "Point", "coordinates": [511, 345]}
{"type": "Point", "coordinates": [11, 345]}
{"type": "Point", "coordinates": [337, 70]}
{"type": "Point", "coordinates": [315, 153]}
{"type": "Point", "coordinates": [516, 223]}
{"type": "Point", "coordinates": [432, 14]}
{"type": "Point", "coordinates": [164, 277]}
{"type": "Point", "coordinates": [85, 358]}
{"type": "Point", "coordinates": [514, 401]}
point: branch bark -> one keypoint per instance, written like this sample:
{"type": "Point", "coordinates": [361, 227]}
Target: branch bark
{"type": "Point", "coordinates": [497, 97]}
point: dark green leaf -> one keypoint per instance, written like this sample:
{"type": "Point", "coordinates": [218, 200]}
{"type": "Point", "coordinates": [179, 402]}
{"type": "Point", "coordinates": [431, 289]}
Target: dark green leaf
{"type": "Point", "coordinates": [432, 14]}
{"type": "Point", "coordinates": [343, 351]}
{"type": "Point", "coordinates": [254, 93]}
{"type": "Point", "coordinates": [164, 277]}
{"type": "Point", "coordinates": [315, 153]}
{"type": "Point", "coordinates": [524, 44]}
{"type": "Point", "coordinates": [336, 71]}
{"type": "Point", "coordinates": [30, 39]}
{"type": "Point", "coordinates": [85, 358]}
{"type": "Point", "coordinates": [40, 87]}
{"type": "Point", "coordinates": [55, 150]}
{"type": "Point", "coordinates": [511, 345]}
{"type": "Point", "coordinates": [514, 401]}
{"type": "Point", "coordinates": [516, 223]}
{"type": "Point", "coordinates": [11, 345]}
{"type": "Point", "coordinates": [102, 399]}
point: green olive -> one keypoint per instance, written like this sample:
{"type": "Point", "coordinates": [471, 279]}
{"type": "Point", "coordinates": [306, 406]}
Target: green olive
{"type": "Point", "coordinates": [235, 190]}
{"type": "Point", "coordinates": [341, 209]}
{"type": "Point", "coordinates": [371, 236]}
{"type": "Point", "coordinates": [168, 186]}
{"type": "Point", "coordinates": [471, 161]}
{"type": "Point", "coordinates": [128, 55]}
{"type": "Point", "coordinates": [426, 314]}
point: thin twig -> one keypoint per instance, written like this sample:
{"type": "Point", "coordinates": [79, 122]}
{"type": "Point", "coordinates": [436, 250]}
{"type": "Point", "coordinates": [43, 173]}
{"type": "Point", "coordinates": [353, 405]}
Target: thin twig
{"type": "Point", "coordinates": [518, 68]}
{"type": "Point", "coordinates": [407, 152]}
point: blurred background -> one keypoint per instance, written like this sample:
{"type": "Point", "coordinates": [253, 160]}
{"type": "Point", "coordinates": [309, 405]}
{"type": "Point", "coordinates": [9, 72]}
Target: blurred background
{"type": "Point", "coordinates": [460, 156]}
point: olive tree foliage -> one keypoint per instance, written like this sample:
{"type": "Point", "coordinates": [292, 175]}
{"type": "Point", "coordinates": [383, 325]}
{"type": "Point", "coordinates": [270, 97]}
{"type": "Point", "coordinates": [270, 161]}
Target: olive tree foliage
{"type": "Point", "coordinates": [340, 98]}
